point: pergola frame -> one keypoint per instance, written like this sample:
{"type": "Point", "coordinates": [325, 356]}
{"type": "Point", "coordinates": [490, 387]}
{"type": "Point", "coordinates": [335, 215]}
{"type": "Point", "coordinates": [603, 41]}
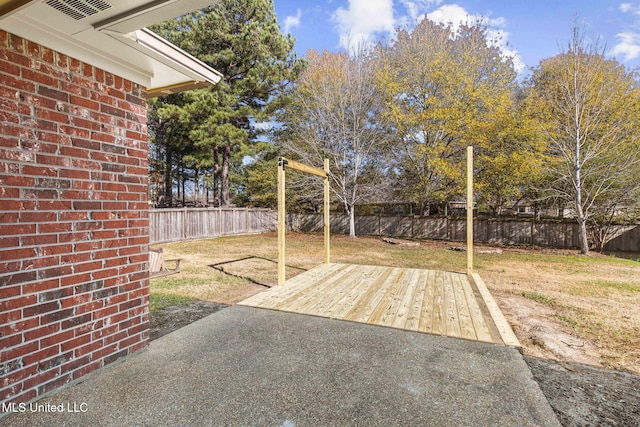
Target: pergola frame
{"type": "Point", "coordinates": [282, 226]}
{"type": "Point", "coordinates": [284, 163]}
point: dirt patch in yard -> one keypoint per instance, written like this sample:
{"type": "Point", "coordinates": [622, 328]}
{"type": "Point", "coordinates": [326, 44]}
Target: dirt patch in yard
{"type": "Point", "coordinates": [541, 335]}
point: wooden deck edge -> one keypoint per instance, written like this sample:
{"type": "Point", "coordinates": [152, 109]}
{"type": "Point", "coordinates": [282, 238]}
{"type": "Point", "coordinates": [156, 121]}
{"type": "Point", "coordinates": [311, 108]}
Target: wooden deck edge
{"type": "Point", "coordinates": [506, 333]}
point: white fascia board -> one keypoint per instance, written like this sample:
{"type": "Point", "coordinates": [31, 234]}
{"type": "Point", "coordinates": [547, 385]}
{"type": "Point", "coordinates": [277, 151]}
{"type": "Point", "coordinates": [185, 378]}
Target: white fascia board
{"type": "Point", "coordinates": [172, 56]}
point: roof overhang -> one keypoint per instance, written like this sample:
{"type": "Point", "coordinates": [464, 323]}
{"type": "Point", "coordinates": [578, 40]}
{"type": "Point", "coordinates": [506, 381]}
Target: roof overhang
{"type": "Point", "coordinates": [111, 34]}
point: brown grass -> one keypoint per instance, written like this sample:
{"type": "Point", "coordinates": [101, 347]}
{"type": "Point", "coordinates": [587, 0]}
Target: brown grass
{"type": "Point", "coordinates": [594, 298]}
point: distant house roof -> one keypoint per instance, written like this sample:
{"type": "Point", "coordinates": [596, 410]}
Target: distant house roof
{"type": "Point", "coordinates": [111, 35]}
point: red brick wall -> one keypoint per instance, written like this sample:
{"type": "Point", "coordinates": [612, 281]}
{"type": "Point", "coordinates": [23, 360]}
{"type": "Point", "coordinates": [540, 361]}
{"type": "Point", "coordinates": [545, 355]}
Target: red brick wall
{"type": "Point", "coordinates": [74, 286]}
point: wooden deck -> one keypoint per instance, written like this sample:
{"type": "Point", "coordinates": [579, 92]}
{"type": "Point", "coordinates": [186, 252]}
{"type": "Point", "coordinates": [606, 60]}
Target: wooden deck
{"type": "Point", "coordinates": [430, 301]}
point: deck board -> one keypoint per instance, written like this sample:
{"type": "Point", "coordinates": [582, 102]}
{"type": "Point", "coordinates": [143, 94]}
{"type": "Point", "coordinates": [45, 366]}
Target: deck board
{"type": "Point", "coordinates": [430, 301]}
{"type": "Point", "coordinates": [437, 318]}
{"type": "Point", "coordinates": [426, 312]}
{"type": "Point", "coordinates": [366, 305]}
{"type": "Point", "coordinates": [452, 319]}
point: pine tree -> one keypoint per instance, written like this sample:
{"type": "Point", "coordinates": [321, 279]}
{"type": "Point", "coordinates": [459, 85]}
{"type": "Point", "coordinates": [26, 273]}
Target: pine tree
{"type": "Point", "coordinates": [241, 39]}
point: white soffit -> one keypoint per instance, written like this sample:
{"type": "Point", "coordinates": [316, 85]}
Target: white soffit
{"type": "Point", "coordinates": [110, 34]}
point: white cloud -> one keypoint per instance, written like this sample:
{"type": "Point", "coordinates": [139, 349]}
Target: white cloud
{"type": "Point", "coordinates": [362, 20]}
{"type": "Point", "coordinates": [264, 125]}
{"type": "Point", "coordinates": [628, 7]}
{"type": "Point", "coordinates": [292, 22]}
{"type": "Point", "coordinates": [629, 45]}
{"type": "Point", "coordinates": [453, 16]}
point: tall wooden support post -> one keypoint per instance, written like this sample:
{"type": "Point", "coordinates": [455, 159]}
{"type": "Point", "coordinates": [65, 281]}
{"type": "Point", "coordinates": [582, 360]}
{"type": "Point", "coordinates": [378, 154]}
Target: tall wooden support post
{"type": "Point", "coordinates": [327, 231]}
{"type": "Point", "coordinates": [292, 164]}
{"type": "Point", "coordinates": [281, 220]}
{"type": "Point", "coordinates": [469, 210]}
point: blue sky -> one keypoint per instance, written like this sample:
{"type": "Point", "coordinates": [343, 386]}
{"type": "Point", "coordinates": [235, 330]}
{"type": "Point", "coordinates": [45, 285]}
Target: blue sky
{"type": "Point", "coordinates": [531, 29]}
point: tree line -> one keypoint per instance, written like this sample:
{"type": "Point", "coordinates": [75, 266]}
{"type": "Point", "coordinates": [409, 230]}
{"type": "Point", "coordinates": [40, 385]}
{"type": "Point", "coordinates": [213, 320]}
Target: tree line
{"type": "Point", "coordinates": [395, 118]}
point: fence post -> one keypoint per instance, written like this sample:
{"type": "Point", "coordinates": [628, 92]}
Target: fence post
{"type": "Point", "coordinates": [413, 234]}
{"type": "Point", "coordinates": [184, 224]}
{"type": "Point", "coordinates": [533, 232]}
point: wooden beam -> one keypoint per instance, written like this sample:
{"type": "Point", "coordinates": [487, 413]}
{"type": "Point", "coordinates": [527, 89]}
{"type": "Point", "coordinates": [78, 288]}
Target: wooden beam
{"type": "Point", "coordinates": [292, 164]}
{"type": "Point", "coordinates": [506, 333]}
{"type": "Point", "coordinates": [327, 231]}
{"type": "Point", "coordinates": [469, 210]}
{"type": "Point", "coordinates": [281, 221]}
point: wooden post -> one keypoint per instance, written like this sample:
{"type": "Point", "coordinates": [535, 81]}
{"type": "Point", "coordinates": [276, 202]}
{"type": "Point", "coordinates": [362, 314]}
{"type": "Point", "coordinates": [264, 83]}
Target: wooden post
{"type": "Point", "coordinates": [469, 210]}
{"type": "Point", "coordinates": [281, 221]}
{"type": "Point", "coordinates": [327, 232]}
{"type": "Point", "coordinates": [285, 163]}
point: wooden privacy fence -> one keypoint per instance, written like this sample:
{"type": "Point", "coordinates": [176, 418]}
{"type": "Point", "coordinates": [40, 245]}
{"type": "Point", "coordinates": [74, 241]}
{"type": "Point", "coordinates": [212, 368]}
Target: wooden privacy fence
{"type": "Point", "coordinates": [174, 225]}
{"type": "Point", "coordinates": [625, 239]}
{"type": "Point", "coordinates": [504, 232]}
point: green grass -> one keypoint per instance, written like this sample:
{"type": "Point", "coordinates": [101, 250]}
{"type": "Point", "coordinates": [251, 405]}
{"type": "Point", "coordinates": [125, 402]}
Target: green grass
{"type": "Point", "coordinates": [569, 320]}
{"type": "Point", "coordinates": [611, 284]}
{"type": "Point", "coordinates": [540, 298]}
{"type": "Point", "coordinates": [176, 282]}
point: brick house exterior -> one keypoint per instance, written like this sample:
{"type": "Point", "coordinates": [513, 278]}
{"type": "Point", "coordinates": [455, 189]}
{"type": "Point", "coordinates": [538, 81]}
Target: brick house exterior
{"type": "Point", "coordinates": [73, 219]}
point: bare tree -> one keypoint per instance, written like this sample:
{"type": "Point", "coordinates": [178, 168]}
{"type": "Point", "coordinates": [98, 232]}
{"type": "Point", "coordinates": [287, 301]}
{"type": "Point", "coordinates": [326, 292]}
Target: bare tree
{"type": "Point", "coordinates": [589, 107]}
{"type": "Point", "coordinates": [331, 114]}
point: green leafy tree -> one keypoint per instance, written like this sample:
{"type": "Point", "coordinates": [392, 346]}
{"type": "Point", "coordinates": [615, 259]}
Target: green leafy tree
{"type": "Point", "coordinates": [242, 40]}
{"type": "Point", "coordinates": [444, 90]}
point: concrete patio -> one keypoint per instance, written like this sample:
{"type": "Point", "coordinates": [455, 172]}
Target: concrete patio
{"type": "Point", "coordinates": [252, 366]}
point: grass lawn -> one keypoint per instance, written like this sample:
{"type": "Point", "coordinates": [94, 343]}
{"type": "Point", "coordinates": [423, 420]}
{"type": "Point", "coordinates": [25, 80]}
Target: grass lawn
{"type": "Point", "coordinates": [594, 299]}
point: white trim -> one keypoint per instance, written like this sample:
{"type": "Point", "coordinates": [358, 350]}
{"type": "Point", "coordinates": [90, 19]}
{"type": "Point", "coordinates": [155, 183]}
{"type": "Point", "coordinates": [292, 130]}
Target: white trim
{"type": "Point", "coordinates": [161, 50]}
{"type": "Point", "coordinates": [136, 54]}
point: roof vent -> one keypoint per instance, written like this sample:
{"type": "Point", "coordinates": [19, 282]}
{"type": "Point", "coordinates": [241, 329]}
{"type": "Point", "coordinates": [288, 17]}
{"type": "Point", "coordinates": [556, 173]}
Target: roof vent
{"type": "Point", "coordinates": [79, 9]}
